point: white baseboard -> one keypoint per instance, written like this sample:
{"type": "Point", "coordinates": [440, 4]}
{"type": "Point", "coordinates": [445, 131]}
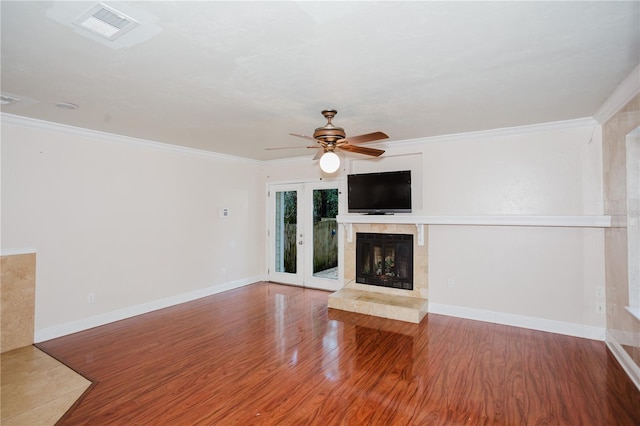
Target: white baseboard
{"type": "Point", "coordinates": [541, 324]}
{"type": "Point", "coordinates": [625, 361]}
{"type": "Point", "coordinates": [131, 311]}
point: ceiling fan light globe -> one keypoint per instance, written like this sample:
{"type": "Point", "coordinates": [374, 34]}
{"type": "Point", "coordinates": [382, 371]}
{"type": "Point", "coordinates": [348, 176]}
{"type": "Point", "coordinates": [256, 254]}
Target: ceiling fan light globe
{"type": "Point", "coordinates": [329, 162]}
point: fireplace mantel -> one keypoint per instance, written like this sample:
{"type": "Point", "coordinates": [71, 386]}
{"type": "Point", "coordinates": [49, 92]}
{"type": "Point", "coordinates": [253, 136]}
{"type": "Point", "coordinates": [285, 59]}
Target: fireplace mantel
{"type": "Point", "coordinates": [584, 221]}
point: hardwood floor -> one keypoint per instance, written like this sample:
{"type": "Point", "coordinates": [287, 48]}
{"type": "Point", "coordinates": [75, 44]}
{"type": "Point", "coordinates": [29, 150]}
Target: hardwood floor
{"type": "Point", "coordinates": [270, 354]}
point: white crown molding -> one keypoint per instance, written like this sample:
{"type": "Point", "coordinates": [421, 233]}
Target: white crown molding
{"type": "Point", "coordinates": [456, 137]}
{"type": "Point", "coordinates": [60, 330]}
{"type": "Point", "coordinates": [493, 133]}
{"type": "Point", "coordinates": [541, 324]}
{"type": "Point", "coordinates": [33, 123]}
{"type": "Point", "coordinates": [111, 137]}
{"type": "Point", "coordinates": [629, 87]}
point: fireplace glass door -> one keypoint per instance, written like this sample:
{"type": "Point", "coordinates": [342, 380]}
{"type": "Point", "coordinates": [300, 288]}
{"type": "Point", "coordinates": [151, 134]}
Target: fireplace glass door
{"type": "Point", "coordinates": [385, 260]}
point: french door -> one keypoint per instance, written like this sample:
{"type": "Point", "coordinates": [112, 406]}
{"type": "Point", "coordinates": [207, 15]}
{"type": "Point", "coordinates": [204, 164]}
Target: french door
{"type": "Point", "coordinates": [303, 235]}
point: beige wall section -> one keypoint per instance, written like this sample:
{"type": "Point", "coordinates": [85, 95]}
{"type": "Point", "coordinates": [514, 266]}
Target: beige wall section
{"type": "Point", "coordinates": [130, 224]}
{"type": "Point", "coordinates": [18, 281]}
{"type": "Point", "coordinates": [534, 272]}
{"type": "Point", "coordinates": [621, 325]}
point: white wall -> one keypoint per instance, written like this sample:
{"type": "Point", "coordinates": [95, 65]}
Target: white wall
{"type": "Point", "coordinates": [548, 274]}
{"type": "Point", "coordinates": [545, 278]}
{"type": "Point", "coordinates": [135, 224]}
{"type": "Point", "coordinates": [556, 170]}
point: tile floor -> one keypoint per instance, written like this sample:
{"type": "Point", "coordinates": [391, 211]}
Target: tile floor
{"type": "Point", "coordinates": [36, 389]}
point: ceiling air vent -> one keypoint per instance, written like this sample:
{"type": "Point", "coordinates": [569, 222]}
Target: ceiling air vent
{"type": "Point", "coordinates": [106, 22]}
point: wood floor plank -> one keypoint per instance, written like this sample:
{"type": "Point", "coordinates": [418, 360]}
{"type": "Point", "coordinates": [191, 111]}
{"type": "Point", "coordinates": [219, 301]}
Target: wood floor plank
{"type": "Point", "coordinates": [270, 354]}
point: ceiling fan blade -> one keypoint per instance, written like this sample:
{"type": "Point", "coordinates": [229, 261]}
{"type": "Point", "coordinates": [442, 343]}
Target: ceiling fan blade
{"type": "Point", "coordinates": [303, 136]}
{"type": "Point", "coordinates": [369, 137]}
{"type": "Point", "coordinates": [362, 150]}
{"type": "Point", "coordinates": [318, 154]}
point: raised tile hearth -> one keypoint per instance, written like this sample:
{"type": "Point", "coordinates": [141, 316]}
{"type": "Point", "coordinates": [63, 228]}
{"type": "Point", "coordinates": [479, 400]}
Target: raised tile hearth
{"type": "Point", "coordinates": [392, 303]}
{"type": "Point", "coordinates": [402, 308]}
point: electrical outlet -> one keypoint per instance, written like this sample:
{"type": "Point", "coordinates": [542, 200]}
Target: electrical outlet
{"type": "Point", "coordinates": [91, 297]}
{"type": "Point", "coordinates": [600, 293]}
{"type": "Point", "coordinates": [600, 308]}
{"type": "Point", "coordinates": [451, 283]}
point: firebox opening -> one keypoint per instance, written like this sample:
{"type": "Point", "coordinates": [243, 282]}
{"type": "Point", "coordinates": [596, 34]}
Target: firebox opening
{"type": "Point", "coordinates": [385, 260]}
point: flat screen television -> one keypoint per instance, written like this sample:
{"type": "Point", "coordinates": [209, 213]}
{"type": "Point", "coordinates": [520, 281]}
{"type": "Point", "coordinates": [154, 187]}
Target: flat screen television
{"type": "Point", "coordinates": [379, 193]}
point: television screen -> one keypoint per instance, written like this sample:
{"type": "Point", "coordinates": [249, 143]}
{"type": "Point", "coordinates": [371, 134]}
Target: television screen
{"type": "Point", "coordinates": [380, 193]}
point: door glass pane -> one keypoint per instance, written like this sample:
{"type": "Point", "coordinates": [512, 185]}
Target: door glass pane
{"type": "Point", "coordinates": [325, 237]}
{"type": "Point", "coordinates": [285, 231]}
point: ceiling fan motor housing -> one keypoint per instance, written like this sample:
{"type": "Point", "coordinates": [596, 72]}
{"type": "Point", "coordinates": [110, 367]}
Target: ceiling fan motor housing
{"type": "Point", "coordinates": [332, 138]}
{"type": "Point", "coordinates": [329, 135]}
{"type": "Point", "coordinates": [329, 132]}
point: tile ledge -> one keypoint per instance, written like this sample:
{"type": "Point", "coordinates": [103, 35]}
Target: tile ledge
{"type": "Point", "coordinates": [582, 221]}
{"type": "Point", "coordinates": [14, 252]}
{"type": "Point", "coordinates": [634, 310]}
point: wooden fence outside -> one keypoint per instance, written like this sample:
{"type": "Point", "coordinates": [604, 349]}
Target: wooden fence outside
{"type": "Point", "coordinates": [325, 245]}
{"type": "Point", "coordinates": [290, 230]}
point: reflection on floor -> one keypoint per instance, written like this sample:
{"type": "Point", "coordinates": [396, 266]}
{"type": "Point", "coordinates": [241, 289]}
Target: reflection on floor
{"type": "Point", "coordinates": [37, 389]}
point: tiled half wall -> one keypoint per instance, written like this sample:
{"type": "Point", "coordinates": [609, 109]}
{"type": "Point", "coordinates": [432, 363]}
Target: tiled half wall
{"type": "Point", "coordinates": [18, 285]}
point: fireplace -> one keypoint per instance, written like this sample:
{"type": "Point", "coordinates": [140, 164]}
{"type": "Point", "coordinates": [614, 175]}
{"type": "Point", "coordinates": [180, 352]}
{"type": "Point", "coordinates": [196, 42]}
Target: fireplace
{"type": "Point", "coordinates": [384, 260]}
{"type": "Point", "coordinates": [394, 302]}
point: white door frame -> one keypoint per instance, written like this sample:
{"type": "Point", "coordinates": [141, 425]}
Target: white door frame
{"type": "Point", "coordinates": [304, 238]}
{"type": "Point", "coordinates": [273, 275]}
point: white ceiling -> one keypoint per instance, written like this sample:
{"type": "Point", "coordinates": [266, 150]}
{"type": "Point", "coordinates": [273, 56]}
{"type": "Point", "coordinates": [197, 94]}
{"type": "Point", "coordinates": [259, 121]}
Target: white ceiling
{"type": "Point", "coordinates": [237, 77]}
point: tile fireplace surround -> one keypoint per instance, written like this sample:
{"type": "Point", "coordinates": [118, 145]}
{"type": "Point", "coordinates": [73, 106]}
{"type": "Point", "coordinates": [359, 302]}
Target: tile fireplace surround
{"type": "Point", "coordinates": [404, 305]}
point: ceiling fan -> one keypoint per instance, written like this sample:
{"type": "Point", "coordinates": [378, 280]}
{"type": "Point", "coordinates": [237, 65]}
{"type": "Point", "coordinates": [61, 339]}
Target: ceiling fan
{"type": "Point", "coordinates": [331, 138]}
